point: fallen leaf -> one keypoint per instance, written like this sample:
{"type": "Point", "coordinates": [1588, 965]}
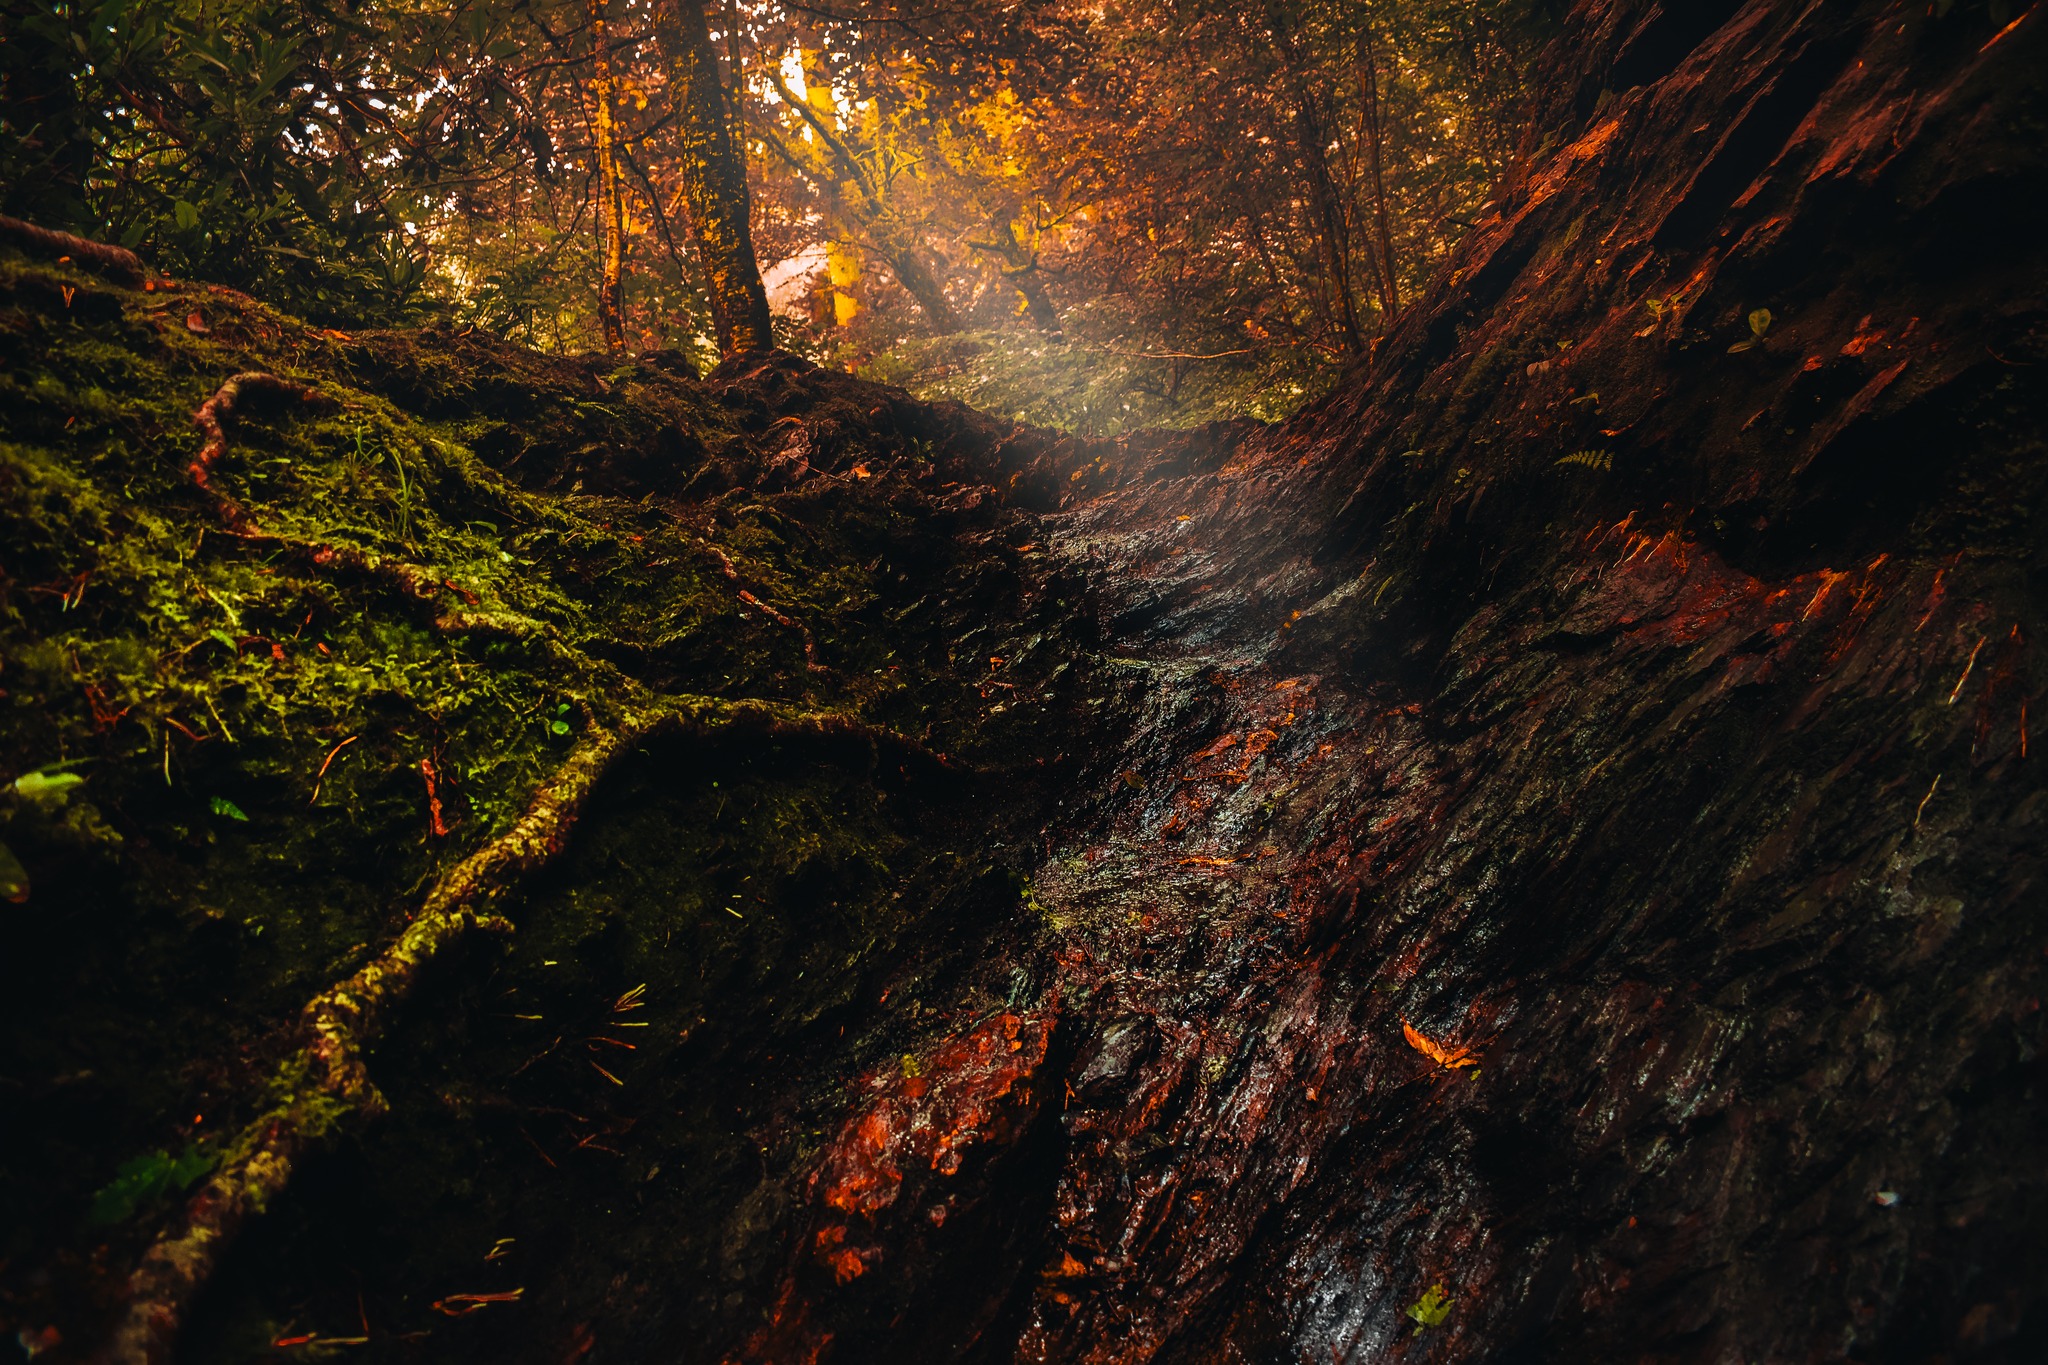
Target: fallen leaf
{"type": "Point", "coordinates": [1436, 1052]}
{"type": "Point", "coordinates": [1431, 1309]}
{"type": "Point", "coordinates": [196, 324]}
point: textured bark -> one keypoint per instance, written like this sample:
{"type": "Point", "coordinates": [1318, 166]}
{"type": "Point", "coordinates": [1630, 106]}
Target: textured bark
{"type": "Point", "coordinates": [714, 177]}
{"type": "Point", "coordinates": [611, 215]}
{"type": "Point", "coordinates": [115, 262]}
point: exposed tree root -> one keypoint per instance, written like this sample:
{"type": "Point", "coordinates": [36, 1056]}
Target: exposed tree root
{"type": "Point", "coordinates": [117, 263]}
{"type": "Point", "coordinates": [413, 580]}
{"type": "Point", "coordinates": [323, 1083]}
{"type": "Point", "coordinates": [773, 722]}
{"type": "Point", "coordinates": [732, 573]}
{"type": "Point", "coordinates": [208, 418]}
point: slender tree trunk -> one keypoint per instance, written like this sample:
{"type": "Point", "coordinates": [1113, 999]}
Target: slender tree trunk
{"type": "Point", "coordinates": [612, 212]}
{"type": "Point", "coordinates": [859, 200]}
{"type": "Point", "coordinates": [714, 181]}
{"type": "Point", "coordinates": [689, 261]}
{"type": "Point", "coordinates": [1390, 289]}
{"type": "Point", "coordinates": [1333, 237]}
{"type": "Point", "coordinates": [1020, 268]}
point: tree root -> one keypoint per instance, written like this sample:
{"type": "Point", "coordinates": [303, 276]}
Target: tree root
{"type": "Point", "coordinates": [324, 1083]}
{"type": "Point", "coordinates": [774, 722]}
{"type": "Point", "coordinates": [413, 580]}
{"type": "Point", "coordinates": [208, 417]}
{"type": "Point", "coordinates": [115, 262]}
{"type": "Point", "coordinates": [725, 566]}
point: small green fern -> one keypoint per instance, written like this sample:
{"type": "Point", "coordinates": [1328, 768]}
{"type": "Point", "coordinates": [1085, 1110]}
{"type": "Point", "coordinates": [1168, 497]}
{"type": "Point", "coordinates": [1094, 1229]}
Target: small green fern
{"type": "Point", "coordinates": [1590, 459]}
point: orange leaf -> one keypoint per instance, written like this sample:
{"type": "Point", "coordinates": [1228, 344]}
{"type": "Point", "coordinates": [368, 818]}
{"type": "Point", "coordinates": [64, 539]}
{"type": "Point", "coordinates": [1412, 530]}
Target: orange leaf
{"type": "Point", "coordinates": [1436, 1052]}
{"type": "Point", "coordinates": [461, 1305]}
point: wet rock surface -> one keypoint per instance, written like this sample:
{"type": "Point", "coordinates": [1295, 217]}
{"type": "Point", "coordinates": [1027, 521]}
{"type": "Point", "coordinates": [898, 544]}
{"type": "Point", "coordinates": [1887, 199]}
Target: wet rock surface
{"type": "Point", "coordinates": [1623, 688]}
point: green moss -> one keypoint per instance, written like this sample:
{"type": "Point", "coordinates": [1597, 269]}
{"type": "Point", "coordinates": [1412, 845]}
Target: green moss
{"type": "Point", "coordinates": [260, 727]}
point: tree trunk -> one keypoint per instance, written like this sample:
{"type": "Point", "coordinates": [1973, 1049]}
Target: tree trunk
{"type": "Point", "coordinates": [858, 201]}
{"type": "Point", "coordinates": [1020, 268]}
{"type": "Point", "coordinates": [612, 209]}
{"type": "Point", "coordinates": [1333, 237]}
{"type": "Point", "coordinates": [1390, 289]}
{"type": "Point", "coordinates": [714, 182]}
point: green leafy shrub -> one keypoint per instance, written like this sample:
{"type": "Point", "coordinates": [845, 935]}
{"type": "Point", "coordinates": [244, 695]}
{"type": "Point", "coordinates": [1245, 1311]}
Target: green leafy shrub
{"type": "Point", "coordinates": [146, 1181]}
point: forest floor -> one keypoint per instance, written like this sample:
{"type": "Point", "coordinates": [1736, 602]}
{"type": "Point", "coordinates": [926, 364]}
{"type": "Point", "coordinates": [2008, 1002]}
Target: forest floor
{"type": "Point", "coordinates": [544, 859]}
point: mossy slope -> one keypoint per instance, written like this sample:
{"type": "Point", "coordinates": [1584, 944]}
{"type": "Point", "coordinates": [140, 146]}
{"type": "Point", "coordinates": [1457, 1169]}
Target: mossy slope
{"type": "Point", "coordinates": [462, 558]}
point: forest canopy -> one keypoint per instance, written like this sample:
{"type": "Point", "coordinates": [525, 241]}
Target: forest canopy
{"type": "Point", "coordinates": [1098, 215]}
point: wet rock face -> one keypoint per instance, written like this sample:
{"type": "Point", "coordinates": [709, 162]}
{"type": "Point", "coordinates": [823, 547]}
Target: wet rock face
{"type": "Point", "coordinates": [1563, 879]}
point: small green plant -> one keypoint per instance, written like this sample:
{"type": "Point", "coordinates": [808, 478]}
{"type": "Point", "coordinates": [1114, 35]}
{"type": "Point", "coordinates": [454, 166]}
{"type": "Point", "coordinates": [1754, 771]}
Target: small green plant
{"type": "Point", "coordinates": [14, 883]}
{"type": "Point", "coordinates": [145, 1181]}
{"type": "Point", "coordinates": [1590, 459]}
{"type": "Point", "coordinates": [228, 809]}
{"type": "Point", "coordinates": [1431, 1309]}
{"type": "Point", "coordinates": [559, 724]}
{"type": "Point", "coordinates": [1759, 324]}
{"type": "Point", "coordinates": [1658, 307]}
{"type": "Point", "coordinates": [46, 784]}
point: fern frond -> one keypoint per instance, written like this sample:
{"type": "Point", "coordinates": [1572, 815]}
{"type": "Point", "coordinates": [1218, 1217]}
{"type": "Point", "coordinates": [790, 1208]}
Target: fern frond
{"type": "Point", "coordinates": [1590, 459]}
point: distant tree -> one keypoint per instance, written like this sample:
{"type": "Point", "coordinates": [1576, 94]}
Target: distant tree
{"type": "Point", "coordinates": [714, 180]}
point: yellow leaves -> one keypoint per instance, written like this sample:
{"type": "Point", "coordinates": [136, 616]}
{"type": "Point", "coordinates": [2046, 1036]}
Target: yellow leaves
{"type": "Point", "coordinates": [1447, 1058]}
{"type": "Point", "coordinates": [1431, 1309]}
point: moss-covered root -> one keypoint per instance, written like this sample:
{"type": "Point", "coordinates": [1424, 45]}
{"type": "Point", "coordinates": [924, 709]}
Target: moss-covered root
{"type": "Point", "coordinates": [208, 420]}
{"type": "Point", "coordinates": [115, 262]}
{"type": "Point", "coordinates": [412, 580]}
{"type": "Point", "coordinates": [324, 1082]}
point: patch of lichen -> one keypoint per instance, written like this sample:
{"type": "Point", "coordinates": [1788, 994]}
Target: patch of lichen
{"type": "Point", "coordinates": [264, 725]}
